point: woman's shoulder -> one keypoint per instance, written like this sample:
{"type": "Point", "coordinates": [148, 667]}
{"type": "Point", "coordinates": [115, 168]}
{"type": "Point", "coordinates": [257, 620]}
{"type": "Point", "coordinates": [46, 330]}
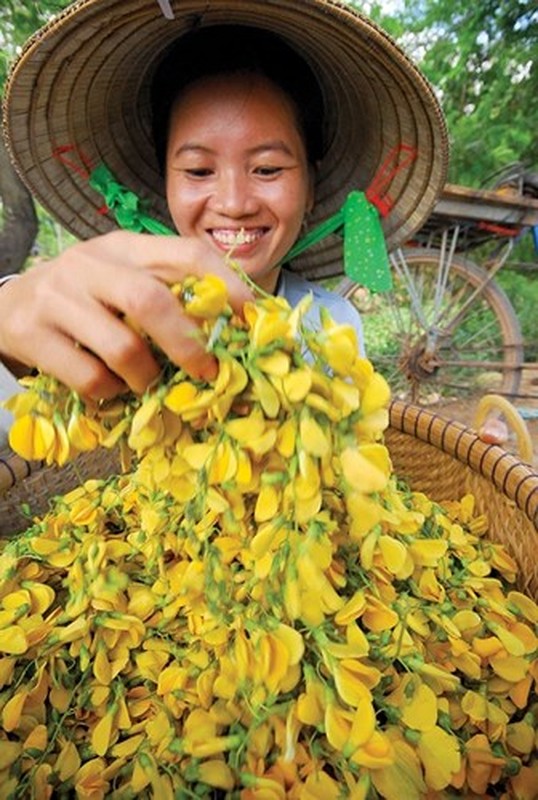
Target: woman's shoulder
{"type": "Point", "coordinates": [293, 287]}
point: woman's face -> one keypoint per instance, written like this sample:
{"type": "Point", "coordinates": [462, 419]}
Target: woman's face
{"type": "Point", "coordinates": [236, 171]}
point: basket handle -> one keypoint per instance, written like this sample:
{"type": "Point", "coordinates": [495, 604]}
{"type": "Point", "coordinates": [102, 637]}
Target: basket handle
{"type": "Point", "coordinates": [492, 430]}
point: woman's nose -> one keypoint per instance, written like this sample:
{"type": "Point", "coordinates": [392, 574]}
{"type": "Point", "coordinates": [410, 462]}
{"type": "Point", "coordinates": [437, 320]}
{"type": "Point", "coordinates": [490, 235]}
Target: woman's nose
{"type": "Point", "coordinates": [233, 196]}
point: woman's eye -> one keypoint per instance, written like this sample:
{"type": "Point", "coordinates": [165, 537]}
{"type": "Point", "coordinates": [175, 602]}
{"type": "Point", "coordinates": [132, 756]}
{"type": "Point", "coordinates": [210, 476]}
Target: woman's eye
{"type": "Point", "coordinates": [198, 172]}
{"type": "Point", "coordinates": [268, 171]}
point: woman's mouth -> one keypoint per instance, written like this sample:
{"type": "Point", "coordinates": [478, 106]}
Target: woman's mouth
{"type": "Point", "coordinates": [229, 238]}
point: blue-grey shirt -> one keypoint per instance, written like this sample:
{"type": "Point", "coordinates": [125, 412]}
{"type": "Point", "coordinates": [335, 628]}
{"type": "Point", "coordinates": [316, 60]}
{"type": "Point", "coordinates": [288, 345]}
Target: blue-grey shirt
{"type": "Point", "coordinates": [293, 288]}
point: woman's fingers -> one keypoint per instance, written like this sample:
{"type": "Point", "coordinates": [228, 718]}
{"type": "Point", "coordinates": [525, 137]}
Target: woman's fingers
{"type": "Point", "coordinates": [79, 369]}
{"type": "Point", "coordinates": [86, 316]}
{"type": "Point", "coordinates": [171, 259]}
{"type": "Point", "coordinates": [150, 307]}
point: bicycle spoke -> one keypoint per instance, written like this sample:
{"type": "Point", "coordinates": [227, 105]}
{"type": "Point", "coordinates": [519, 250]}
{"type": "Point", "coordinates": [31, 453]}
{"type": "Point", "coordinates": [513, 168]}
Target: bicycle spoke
{"type": "Point", "coordinates": [445, 325]}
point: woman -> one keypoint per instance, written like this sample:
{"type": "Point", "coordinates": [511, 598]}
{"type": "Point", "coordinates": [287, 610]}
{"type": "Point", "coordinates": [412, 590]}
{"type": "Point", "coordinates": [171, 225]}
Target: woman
{"type": "Point", "coordinates": [263, 125]}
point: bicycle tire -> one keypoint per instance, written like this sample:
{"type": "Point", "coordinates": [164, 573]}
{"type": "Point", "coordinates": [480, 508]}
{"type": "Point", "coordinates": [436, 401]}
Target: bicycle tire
{"type": "Point", "coordinates": [484, 352]}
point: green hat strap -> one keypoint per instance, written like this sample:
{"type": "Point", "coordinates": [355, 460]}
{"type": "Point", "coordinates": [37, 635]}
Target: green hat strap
{"type": "Point", "coordinates": [358, 220]}
{"type": "Point", "coordinates": [365, 254]}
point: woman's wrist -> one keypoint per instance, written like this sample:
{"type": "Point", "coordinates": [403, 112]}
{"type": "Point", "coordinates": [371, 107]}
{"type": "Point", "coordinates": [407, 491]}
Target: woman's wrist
{"type": "Point", "coordinates": [17, 369]}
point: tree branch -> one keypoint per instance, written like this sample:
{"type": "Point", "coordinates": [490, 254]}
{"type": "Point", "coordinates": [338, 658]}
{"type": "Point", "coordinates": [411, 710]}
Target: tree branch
{"type": "Point", "coordinates": [19, 228]}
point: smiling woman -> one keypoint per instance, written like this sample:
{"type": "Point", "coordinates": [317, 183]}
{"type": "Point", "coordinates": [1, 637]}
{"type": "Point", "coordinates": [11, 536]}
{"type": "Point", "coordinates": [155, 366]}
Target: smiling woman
{"type": "Point", "coordinates": [237, 164]}
{"type": "Point", "coordinates": [239, 126]}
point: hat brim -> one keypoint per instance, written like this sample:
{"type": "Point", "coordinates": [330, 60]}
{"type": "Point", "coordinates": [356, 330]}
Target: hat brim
{"type": "Point", "coordinates": [84, 81]}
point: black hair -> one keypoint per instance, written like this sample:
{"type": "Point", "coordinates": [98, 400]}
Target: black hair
{"type": "Point", "coordinates": [228, 49]}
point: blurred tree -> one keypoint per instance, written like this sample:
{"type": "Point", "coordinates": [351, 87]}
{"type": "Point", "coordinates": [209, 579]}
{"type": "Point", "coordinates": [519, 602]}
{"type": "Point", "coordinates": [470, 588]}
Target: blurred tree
{"type": "Point", "coordinates": [19, 224]}
{"type": "Point", "coordinates": [481, 57]}
{"type": "Point", "coordinates": [19, 219]}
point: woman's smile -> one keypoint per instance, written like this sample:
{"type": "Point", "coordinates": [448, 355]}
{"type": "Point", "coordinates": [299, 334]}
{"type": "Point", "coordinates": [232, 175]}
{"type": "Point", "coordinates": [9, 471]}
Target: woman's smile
{"type": "Point", "coordinates": [238, 240]}
{"type": "Point", "coordinates": [237, 174]}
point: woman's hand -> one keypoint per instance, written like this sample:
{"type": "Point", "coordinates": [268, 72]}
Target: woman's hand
{"type": "Point", "coordinates": [65, 316]}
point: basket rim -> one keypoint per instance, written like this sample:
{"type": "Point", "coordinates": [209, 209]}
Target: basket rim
{"type": "Point", "coordinates": [513, 477]}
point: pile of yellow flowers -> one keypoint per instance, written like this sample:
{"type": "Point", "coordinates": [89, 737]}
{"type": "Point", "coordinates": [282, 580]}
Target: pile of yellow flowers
{"type": "Point", "coordinates": [257, 608]}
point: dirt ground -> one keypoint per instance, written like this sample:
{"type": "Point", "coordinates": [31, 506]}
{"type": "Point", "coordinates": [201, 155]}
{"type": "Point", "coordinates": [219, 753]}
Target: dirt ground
{"type": "Point", "coordinates": [526, 404]}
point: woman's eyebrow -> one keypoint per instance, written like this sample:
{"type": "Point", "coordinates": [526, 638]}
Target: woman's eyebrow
{"type": "Point", "coordinates": [191, 147]}
{"type": "Point", "coordinates": [271, 145]}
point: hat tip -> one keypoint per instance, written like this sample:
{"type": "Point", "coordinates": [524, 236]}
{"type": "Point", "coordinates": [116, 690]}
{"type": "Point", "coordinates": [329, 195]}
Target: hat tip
{"type": "Point", "coordinates": [166, 9]}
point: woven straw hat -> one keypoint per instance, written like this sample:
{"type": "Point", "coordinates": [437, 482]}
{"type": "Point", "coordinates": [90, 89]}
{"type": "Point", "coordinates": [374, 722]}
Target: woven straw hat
{"type": "Point", "coordinates": [83, 81]}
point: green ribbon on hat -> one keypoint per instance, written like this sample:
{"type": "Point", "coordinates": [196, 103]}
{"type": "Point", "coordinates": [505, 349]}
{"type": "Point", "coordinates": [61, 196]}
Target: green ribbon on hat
{"type": "Point", "coordinates": [365, 253]}
{"type": "Point", "coordinates": [127, 207]}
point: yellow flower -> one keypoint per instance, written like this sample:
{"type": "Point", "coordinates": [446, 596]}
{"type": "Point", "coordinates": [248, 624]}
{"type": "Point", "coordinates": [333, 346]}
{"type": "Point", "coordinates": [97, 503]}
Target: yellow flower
{"type": "Point", "coordinates": [267, 322]}
{"type": "Point", "coordinates": [37, 738]}
{"type": "Point", "coordinates": [510, 668]}
{"type": "Point", "coordinates": [296, 385]}
{"type": "Point", "coordinates": [338, 345]}
{"type": "Point", "coordinates": [266, 395]}
{"type": "Point", "coordinates": [378, 616]}
{"type": "Point", "coordinates": [353, 681]}
{"type": "Point", "coordinates": [205, 297]}
{"type": "Point", "coordinates": [365, 514]}
{"type": "Point", "coordinates": [377, 754]}
{"type": "Point", "coordinates": [524, 785]}
{"type": "Point", "coordinates": [401, 780]}
{"type": "Point", "coordinates": [353, 609]}
{"type": "Point", "coordinates": [147, 426]}
{"type": "Point", "coordinates": [314, 439]}
{"type": "Point", "coordinates": [420, 711]}
{"type": "Point", "coordinates": [68, 762]}
{"type": "Point", "coordinates": [440, 755]}
{"type": "Point", "coordinates": [89, 781]}
{"type": "Point", "coordinates": [84, 433]}
{"type": "Point", "coordinates": [13, 640]}
{"type": "Point", "coordinates": [267, 503]}
{"type": "Point", "coordinates": [525, 606]}
{"type": "Point", "coordinates": [276, 364]}
{"type": "Point", "coordinates": [375, 395]}
{"type": "Point", "coordinates": [394, 554]}
{"type": "Point", "coordinates": [320, 786]}
{"type": "Point", "coordinates": [481, 767]}
{"type": "Point", "coordinates": [311, 703]}
{"type": "Point", "coordinates": [521, 736]}
{"type": "Point", "coordinates": [428, 552]}
{"type": "Point", "coordinates": [103, 732]}
{"type": "Point", "coordinates": [12, 711]}
{"type": "Point", "coordinates": [32, 436]}
{"type": "Point", "coordinates": [42, 787]}
{"type": "Point", "coordinates": [366, 468]}
{"type": "Point", "coordinates": [216, 773]}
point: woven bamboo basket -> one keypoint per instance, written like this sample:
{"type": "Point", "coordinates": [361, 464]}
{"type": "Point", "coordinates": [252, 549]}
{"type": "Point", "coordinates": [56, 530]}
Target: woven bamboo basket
{"type": "Point", "coordinates": [440, 457]}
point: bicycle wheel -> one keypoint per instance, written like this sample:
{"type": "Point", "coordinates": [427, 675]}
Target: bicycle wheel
{"type": "Point", "coordinates": [444, 329]}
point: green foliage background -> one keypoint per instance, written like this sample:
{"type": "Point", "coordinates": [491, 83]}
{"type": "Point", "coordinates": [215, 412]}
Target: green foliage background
{"type": "Point", "coordinates": [481, 58]}
{"type": "Point", "coordinates": [18, 21]}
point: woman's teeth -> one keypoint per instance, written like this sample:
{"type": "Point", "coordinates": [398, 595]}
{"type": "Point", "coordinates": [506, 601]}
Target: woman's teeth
{"type": "Point", "coordinates": [236, 238]}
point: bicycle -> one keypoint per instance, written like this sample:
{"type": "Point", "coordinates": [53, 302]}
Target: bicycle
{"type": "Point", "coordinates": [447, 327]}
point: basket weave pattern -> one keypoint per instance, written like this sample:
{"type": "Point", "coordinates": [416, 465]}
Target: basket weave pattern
{"type": "Point", "coordinates": [441, 458]}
